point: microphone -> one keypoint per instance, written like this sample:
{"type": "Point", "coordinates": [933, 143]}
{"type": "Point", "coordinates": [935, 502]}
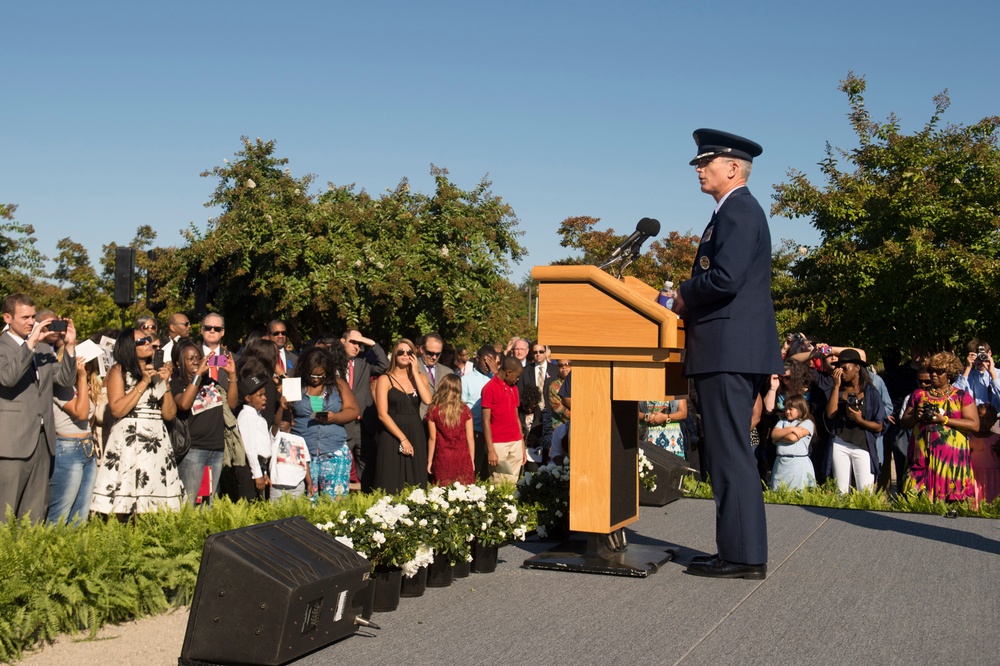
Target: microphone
{"type": "Point", "coordinates": [647, 228]}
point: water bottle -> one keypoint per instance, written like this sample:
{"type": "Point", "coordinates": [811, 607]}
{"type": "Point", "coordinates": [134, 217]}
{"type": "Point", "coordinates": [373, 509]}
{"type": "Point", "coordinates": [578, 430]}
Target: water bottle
{"type": "Point", "coordinates": [666, 297]}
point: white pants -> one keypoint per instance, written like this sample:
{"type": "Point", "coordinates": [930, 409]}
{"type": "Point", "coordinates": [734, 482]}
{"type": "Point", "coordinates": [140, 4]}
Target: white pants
{"type": "Point", "coordinates": [848, 457]}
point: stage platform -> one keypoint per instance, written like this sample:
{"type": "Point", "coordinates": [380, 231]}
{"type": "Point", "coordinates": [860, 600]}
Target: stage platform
{"type": "Point", "coordinates": [843, 587]}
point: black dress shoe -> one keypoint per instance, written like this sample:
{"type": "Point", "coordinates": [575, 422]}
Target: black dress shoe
{"type": "Point", "coordinates": [705, 558]}
{"type": "Point", "coordinates": [721, 569]}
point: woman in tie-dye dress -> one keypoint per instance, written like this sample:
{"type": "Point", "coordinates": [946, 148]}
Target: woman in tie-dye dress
{"type": "Point", "coordinates": [942, 418]}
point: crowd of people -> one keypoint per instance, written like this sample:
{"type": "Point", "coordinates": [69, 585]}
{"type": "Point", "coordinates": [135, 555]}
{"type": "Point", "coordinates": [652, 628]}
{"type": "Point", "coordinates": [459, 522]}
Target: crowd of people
{"type": "Point", "coordinates": [927, 424]}
{"type": "Point", "coordinates": [171, 417]}
{"type": "Point", "coordinates": [175, 418]}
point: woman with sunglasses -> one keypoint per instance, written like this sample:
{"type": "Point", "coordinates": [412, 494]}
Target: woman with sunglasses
{"type": "Point", "coordinates": [199, 400]}
{"type": "Point", "coordinates": [327, 405]}
{"type": "Point", "coordinates": [402, 445]}
{"type": "Point", "coordinates": [138, 472]}
{"type": "Point", "coordinates": [943, 417]}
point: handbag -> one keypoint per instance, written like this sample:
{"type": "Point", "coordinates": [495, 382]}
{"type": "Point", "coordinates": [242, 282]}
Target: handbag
{"type": "Point", "coordinates": [180, 436]}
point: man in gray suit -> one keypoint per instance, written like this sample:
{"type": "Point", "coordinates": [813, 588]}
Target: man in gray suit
{"type": "Point", "coordinates": [431, 349]}
{"type": "Point", "coordinates": [28, 369]}
{"type": "Point", "coordinates": [361, 365]}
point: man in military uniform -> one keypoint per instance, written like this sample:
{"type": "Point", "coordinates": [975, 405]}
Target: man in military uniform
{"type": "Point", "coordinates": [732, 347]}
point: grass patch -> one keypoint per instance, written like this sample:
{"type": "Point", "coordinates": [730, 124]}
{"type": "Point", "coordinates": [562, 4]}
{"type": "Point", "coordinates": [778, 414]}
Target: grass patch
{"type": "Point", "coordinates": [828, 496]}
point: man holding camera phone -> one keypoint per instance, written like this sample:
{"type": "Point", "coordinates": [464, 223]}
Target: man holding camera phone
{"type": "Point", "coordinates": [28, 370]}
{"type": "Point", "coordinates": [979, 377]}
{"type": "Point", "coordinates": [213, 328]}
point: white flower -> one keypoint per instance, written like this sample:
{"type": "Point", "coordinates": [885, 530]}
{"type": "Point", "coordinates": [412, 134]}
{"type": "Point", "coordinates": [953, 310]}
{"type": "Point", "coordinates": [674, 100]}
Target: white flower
{"type": "Point", "coordinates": [379, 265]}
{"type": "Point", "coordinates": [250, 183]}
{"type": "Point", "coordinates": [378, 538]}
{"type": "Point", "coordinates": [358, 264]}
{"type": "Point", "coordinates": [541, 531]}
{"type": "Point", "coordinates": [423, 522]}
{"type": "Point", "coordinates": [519, 532]}
{"type": "Point", "coordinates": [324, 526]}
{"type": "Point", "coordinates": [444, 251]}
{"type": "Point", "coordinates": [296, 190]}
{"type": "Point", "coordinates": [558, 513]}
{"type": "Point", "coordinates": [347, 541]}
{"type": "Point", "coordinates": [418, 496]}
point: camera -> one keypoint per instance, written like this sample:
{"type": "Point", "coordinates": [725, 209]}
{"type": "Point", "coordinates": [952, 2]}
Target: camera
{"type": "Point", "coordinates": [58, 326]}
{"type": "Point", "coordinates": [218, 361]}
{"type": "Point", "coordinates": [852, 400]}
{"type": "Point", "coordinates": [927, 413]}
{"type": "Point", "coordinates": [158, 359]}
{"type": "Point", "coordinates": [981, 355]}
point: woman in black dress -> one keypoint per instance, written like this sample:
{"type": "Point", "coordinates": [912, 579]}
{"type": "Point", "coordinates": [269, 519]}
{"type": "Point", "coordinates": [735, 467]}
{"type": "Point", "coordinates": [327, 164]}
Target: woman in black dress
{"type": "Point", "coordinates": [402, 444]}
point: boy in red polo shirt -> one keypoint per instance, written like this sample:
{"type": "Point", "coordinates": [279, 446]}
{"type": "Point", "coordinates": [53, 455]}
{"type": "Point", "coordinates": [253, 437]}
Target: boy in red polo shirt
{"type": "Point", "coordinates": [501, 426]}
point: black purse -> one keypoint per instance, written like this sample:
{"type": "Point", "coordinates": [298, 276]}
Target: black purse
{"type": "Point", "coordinates": [180, 437]}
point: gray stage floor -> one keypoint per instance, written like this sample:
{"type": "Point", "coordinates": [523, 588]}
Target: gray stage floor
{"type": "Point", "coordinates": [843, 587]}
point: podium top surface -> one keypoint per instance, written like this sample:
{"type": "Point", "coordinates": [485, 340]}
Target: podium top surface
{"type": "Point", "coordinates": [585, 307]}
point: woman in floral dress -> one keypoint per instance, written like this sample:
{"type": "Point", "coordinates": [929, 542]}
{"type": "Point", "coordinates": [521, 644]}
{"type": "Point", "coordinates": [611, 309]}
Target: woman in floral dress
{"type": "Point", "coordinates": [943, 417]}
{"type": "Point", "coordinates": [138, 472]}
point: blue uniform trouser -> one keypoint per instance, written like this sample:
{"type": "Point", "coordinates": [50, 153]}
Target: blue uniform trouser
{"type": "Point", "coordinates": [726, 403]}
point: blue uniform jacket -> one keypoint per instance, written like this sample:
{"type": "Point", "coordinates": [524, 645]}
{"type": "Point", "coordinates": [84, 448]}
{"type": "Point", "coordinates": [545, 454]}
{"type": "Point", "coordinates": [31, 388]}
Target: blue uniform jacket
{"type": "Point", "coordinates": [729, 322]}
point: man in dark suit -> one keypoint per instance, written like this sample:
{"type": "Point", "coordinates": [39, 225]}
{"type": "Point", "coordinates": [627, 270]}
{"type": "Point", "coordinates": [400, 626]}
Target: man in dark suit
{"type": "Point", "coordinates": [431, 348]}
{"type": "Point", "coordinates": [277, 331]}
{"type": "Point", "coordinates": [538, 373]}
{"type": "Point", "coordinates": [28, 370]}
{"type": "Point", "coordinates": [731, 348]}
{"type": "Point", "coordinates": [361, 365]}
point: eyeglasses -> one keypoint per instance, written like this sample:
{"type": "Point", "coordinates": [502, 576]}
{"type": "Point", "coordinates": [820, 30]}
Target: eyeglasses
{"type": "Point", "coordinates": [281, 333]}
{"type": "Point", "coordinates": [404, 352]}
{"type": "Point", "coordinates": [565, 365]}
{"type": "Point", "coordinates": [937, 371]}
{"type": "Point", "coordinates": [184, 323]}
{"type": "Point", "coordinates": [144, 341]}
{"type": "Point", "coordinates": [148, 327]}
{"type": "Point", "coordinates": [432, 354]}
{"type": "Point", "coordinates": [924, 381]}
{"type": "Point", "coordinates": [217, 329]}
{"type": "Point", "coordinates": [538, 351]}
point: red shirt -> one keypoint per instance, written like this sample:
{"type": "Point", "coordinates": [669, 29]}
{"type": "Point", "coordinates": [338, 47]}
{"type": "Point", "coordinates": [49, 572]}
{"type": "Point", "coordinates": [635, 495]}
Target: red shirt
{"type": "Point", "coordinates": [502, 400]}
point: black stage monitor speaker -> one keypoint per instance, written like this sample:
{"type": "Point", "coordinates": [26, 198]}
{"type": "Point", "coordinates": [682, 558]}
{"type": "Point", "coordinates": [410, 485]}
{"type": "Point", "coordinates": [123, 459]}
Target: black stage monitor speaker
{"type": "Point", "coordinates": [124, 275]}
{"type": "Point", "coordinates": [270, 593]}
{"type": "Point", "coordinates": [670, 470]}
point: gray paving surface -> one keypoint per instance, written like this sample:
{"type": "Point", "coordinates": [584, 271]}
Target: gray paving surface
{"type": "Point", "coordinates": [843, 587]}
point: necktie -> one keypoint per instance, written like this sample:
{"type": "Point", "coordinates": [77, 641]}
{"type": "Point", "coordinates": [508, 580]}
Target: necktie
{"type": "Point", "coordinates": [350, 373]}
{"type": "Point", "coordinates": [430, 373]}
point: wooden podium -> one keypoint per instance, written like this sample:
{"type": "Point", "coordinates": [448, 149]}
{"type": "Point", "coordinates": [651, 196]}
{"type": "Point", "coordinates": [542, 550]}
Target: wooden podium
{"type": "Point", "coordinates": [625, 348]}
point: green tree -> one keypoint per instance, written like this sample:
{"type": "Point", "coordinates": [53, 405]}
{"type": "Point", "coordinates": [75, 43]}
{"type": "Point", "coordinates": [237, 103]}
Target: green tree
{"type": "Point", "coordinates": [402, 263]}
{"type": "Point", "coordinates": [20, 260]}
{"type": "Point", "coordinates": [910, 248]}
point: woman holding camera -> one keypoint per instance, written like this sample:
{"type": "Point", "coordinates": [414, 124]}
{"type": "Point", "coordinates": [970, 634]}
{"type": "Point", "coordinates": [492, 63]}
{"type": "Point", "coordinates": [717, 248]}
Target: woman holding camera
{"type": "Point", "coordinates": [138, 472]}
{"type": "Point", "coordinates": [855, 414]}
{"type": "Point", "coordinates": [199, 401]}
{"type": "Point", "coordinates": [943, 418]}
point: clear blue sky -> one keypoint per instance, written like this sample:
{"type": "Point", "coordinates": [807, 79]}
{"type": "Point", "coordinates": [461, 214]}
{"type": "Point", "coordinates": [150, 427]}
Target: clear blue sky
{"type": "Point", "coordinates": [110, 110]}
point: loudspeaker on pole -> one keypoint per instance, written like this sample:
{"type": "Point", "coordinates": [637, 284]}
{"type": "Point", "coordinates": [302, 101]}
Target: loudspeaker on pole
{"type": "Point", "coordinates": [124, 276]}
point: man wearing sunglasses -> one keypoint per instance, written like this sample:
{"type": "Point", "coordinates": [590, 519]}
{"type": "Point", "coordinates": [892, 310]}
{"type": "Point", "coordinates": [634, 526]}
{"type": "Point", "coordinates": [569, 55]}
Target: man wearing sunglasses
{"type": "Point", "coordinates": [178, 326]}
{"type": "Point", "coordinates": [28, 371]}
{"type": "Point", "coordinates": [277, 331]}
{"type": "Point", "coordinates": [365, 358]}
{"type": "Point", "coordinates": [431, 348]}
{"type": "Point", "coordinates": [213, 328]}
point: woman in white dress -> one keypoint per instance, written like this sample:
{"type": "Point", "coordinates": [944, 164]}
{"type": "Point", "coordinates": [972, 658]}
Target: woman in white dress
{"type": "Point", "coordinates": [138, 472]}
